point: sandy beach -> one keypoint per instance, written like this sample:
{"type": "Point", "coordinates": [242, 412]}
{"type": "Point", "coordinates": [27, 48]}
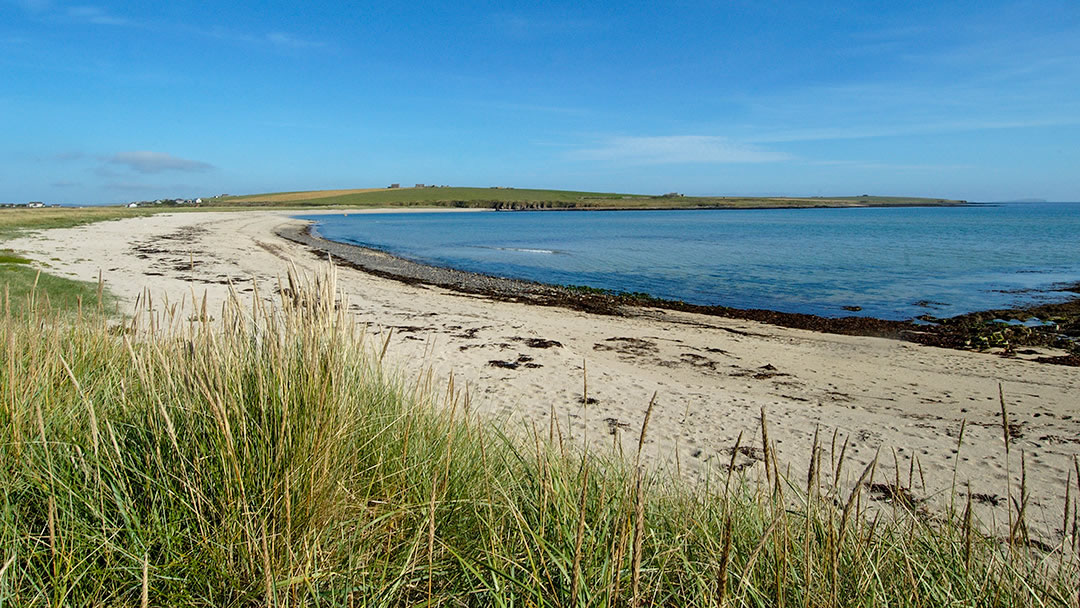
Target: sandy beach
{"type": "Point", "coordinates": [711, 376]}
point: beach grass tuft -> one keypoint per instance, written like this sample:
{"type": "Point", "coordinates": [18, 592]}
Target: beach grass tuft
{"type": "Point", "coordinates": [269, 458]}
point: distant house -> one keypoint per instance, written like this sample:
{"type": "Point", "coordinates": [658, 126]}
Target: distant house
{"type": "Point", "coordinates": [35, 204]}
{"type": "Point", "coordinates": [395, 185]}
{"type": "Point", "coordinates": [198, 201]}
{"type": "Point", "coordinates": [133, 205]}
{"type": "Point", "coordinates": [420, 186]}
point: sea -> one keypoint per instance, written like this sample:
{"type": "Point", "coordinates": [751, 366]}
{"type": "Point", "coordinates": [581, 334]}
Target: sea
{"type": "Point", "coordinates": [889, 263]}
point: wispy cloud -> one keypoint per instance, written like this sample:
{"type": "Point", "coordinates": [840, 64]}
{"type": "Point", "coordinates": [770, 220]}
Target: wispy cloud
{"type": "Point", "coordinates": [14, 41]}
{"type": "Point", "coordinates": [286, 40]}
{"type": "Point", "coordinates": [676, 149]}
{"type": "Point", "coordinates": [144, 190]}
{"type": "Point", "coordinates": [899, 130]}
{"type": "Point", "coordinates": [874, 165]}
{"type": "Point", "coordinates": [131, 186]}
{"type": "Point", "coordinates": [65, 156]}
{"type": "Point", "coordinates": [157, 162]}
{"type": "Point", "coordinates": [518, 25]}
{"type": "Point", "coordinates": [81, 13]}
{"type": "Point", "coordinates": [1002, 76]}
{"type": "Point", "coordinates": [97, 16]}
{"type": "Point", "coordinates": [275, 39]}
{"type": "Point", "coordinates": [34, 5]}
{"type": "Point", "coordinates": [504, 106]}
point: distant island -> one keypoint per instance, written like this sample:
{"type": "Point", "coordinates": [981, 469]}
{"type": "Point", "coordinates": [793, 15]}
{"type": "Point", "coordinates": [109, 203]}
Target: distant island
{"type": "Point", "coordinates": [507, 198]}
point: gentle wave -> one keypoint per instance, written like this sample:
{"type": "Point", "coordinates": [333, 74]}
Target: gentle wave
{"type": "Point", "coordinates": [520, 249]}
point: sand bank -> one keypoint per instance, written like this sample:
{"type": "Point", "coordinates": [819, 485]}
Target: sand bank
{"type": "Point", "coordinates": [712, 376]}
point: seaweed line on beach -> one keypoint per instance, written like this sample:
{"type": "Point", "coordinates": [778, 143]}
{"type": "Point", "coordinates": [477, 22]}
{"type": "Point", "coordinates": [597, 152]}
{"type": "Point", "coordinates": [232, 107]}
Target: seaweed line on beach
{"type": "Point", "coordinates": [971, 331]}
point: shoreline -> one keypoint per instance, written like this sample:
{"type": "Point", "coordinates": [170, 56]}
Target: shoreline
{"type": "Point", "coordinates": [524, 364]}
{"type": "Point", "coordinates": [962, 332]}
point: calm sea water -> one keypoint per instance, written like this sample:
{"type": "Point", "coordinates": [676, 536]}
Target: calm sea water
{"type": "Point", "coordinates": [893, 263]}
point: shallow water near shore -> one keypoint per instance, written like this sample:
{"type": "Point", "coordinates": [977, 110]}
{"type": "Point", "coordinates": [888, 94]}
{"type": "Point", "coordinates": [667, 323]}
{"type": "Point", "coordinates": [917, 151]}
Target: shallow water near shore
{"type": "Point", "coordinates": [890, 263]}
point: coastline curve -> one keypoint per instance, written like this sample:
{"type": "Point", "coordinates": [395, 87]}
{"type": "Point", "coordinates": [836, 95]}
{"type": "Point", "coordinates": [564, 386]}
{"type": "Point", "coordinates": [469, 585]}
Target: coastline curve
{"type": "Point", "coordinates": [963, 332]}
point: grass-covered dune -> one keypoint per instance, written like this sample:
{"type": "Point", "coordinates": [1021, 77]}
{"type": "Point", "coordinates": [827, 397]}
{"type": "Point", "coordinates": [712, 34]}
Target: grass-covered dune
{"type": "Point", "coordinates": [267, 458]}
{"type": "Point", "coordinates": [514, 198]}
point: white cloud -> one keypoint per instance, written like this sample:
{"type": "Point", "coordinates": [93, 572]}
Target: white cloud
{"type": "Point", "coordinates": [157, 162]}
{"type": "Point", "coordinates": [677, 149]}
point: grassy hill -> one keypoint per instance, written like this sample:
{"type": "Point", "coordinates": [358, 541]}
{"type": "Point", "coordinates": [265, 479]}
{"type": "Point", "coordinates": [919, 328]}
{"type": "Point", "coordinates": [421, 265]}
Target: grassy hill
{"type": "Point", "coordinates": [524, 198]}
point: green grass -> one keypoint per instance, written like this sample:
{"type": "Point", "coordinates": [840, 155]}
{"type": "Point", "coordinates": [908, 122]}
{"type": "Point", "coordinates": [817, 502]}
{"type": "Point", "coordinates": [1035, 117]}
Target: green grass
{"type": "Point", "coordinates": [270, 460]}
{"type": "Point", "coordinates": [24, 288]}
{"type": "Point", "coordinates": [14, 222]}
{"type": "Point", "coordinates": [440, 197]}
{"type": "Point", "coordinates": [7, 256]}
{"type": "Point", "coordinates": [513, 198]}
{"type": "Point", "coordinates": [18, 279]}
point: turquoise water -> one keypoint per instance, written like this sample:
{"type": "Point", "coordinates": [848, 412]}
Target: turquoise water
{"type": "Point", "coordinates": [893, 263]}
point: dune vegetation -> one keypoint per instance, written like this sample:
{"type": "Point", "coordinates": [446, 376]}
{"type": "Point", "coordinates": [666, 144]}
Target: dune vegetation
{"type": "Point", "coordinates": [264, 455]}
{"type": "Point", "coordinates": [23, 288]}
{"type": "Point", "coordinates": [14, 222]}
{"type": "Point", "coordinates": [24, 285]}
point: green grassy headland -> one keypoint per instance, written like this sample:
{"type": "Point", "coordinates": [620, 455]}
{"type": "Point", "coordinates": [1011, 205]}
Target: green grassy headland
{"type": "Point", "coordinates": [271, 460]}
{"type": "Point", "coordinates": [514, 198]}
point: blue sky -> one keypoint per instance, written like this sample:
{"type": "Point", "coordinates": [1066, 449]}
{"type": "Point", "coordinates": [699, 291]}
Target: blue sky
{"type": "Point", "coordinates": [111, 102]}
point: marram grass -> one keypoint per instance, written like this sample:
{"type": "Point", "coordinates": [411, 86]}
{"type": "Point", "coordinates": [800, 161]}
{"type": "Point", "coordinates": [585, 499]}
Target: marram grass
{"type": "Point", "coordinates": [266, 458]}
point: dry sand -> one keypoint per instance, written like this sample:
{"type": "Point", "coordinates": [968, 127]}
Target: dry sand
{"type": "Point", "coordinates": [711, 376]}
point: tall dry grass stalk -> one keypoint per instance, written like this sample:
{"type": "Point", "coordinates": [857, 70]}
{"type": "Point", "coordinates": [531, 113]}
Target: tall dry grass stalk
{"type": "Point", "coordinates": [261, 455]}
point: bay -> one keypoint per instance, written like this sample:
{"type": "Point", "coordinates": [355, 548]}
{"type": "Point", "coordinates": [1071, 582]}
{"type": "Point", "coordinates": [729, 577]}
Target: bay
{"type": "Point", "coordinates": [891, 263]}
